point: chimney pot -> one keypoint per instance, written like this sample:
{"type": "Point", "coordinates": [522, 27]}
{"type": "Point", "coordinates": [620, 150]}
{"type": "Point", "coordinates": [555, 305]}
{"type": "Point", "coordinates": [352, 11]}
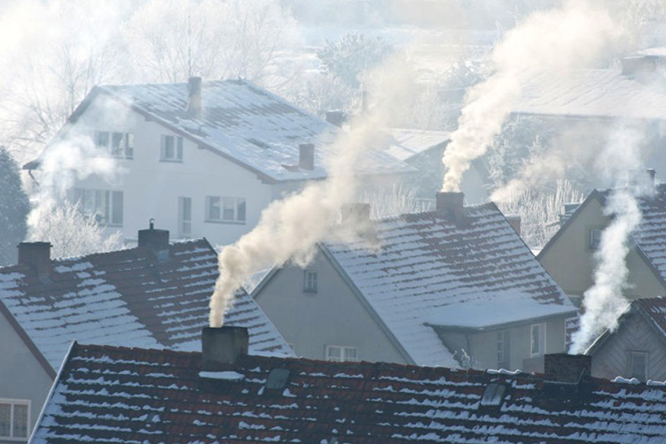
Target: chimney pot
{"type": "Point", "coordinates": [514, 220]}
{"type": "Point", "coordinates": [451, 204]}
{"type": "Point", "coordinates": [36, 255]}
{"type": "Point", "coordinates": [306, 156]}
{"type": "Point", "coordinates": [194, 102]}
{"type": "Point", "coordinates": [223, 345]}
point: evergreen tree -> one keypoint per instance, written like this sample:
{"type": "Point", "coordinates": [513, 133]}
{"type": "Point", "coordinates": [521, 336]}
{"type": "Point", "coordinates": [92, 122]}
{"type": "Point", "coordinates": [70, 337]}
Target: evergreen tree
{"type": "Point", "coordinates": [14, 208]}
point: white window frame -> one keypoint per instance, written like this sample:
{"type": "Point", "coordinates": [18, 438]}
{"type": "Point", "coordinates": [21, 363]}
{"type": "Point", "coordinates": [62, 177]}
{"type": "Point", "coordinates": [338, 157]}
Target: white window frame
{"type": "Point", "coordinates": [310, 285]}
{"type": "Point", "coordinates": [591, 236]}
{"type": "Point", "coordinates": [178, 143]}
{"type": "Point", "coordinates": [125, 149]}
{"type": "Point", "coordinates": [221, 202]}
{"type": "Point", "coordinates": [630, 355]}
{"type": "Point", "coordinates": [184, 225]}
{"type": "Point", "coordinates": [343, 356]}
{"type": "Point", "coordinates": [102, 206]}
{"type": "Point", "coordinates": [13, 402]}
{"type": "Point", "coordinates": [542, 339]}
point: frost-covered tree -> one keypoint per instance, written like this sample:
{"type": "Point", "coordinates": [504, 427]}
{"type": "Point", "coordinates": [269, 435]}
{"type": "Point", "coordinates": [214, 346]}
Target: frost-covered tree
{"type": "Point", "coordinates": [14, 208]}
{"type": "Point", "coordinates": [353, 55]}
{"type": "Point", "coordinates": [393, 201]}
{"type": "Point", "coordinates": [73, 234]}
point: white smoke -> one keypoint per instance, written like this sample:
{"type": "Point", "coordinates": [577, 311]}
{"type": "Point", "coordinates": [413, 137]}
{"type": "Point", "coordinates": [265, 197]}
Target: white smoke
{"type": "Point", "coordinates": [573, 36]}
{"type": "Point", "coordinates": [290, 229]}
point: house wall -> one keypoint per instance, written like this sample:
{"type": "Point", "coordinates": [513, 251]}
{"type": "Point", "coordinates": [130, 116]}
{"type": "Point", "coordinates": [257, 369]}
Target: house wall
{"type": "Point", "coordinates": [611, 359]}
{"type": "Point", "coordinates": [21, 375]}
{"type": "Point", "coordinates": [571, 263]}
{"type": "Point", "coordinates": [482, 346]}
{"type": "Point", "coordinates": [332, 316]}
{"type": "Point", "coordinates": [151, 187]}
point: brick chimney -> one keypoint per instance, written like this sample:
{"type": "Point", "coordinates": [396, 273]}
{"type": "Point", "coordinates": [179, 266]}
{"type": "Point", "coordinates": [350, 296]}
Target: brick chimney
{"type": "Point", "coordinates": [194, 102]}
{"type": "Point", "coordinates": [306, 156]}
{"type": "Point", "coordinates": [223, 345]}
{"type": "Point", "coordinates": [451, 205]}
{"type": "Point", "coordinates": [154, 239]}
{"type": "Point", "coordinates": [336, 118]}
{"type": "Point", "coordinates": [36, 255]}
{"type": "Point", "coordinates": [514, 220]}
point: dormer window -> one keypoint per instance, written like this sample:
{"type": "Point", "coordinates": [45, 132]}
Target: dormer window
{"type": "Point", "coordinates": [172, 149]}
{"type": "Point", "coordinates": [120, 145]}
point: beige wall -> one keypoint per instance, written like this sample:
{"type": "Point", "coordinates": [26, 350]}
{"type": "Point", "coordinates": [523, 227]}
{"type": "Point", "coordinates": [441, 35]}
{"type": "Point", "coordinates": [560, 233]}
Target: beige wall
{"type": "Point", "coordinates": [21, 375]}
{"type": "Point", "coordinates": [332, 316]}
{"type": "Point", "coordinates": [571, 263]}
{"type": "Point", "coordinates": [633, 334]}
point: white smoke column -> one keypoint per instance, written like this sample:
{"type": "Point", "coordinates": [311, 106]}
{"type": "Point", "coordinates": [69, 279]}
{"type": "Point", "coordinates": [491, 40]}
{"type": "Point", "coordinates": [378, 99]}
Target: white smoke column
{"type": "Point", "coordinates": [64, 162]}
{"type": "Point", "coordinates": [604, 302]}
{"type": "Point", "coordinates": [557, 40]}
{"type": "Point", "coordinates": [290, 229]}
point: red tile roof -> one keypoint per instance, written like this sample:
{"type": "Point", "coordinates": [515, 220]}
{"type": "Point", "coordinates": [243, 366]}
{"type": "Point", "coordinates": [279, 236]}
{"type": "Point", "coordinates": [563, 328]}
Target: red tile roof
{"type": "Point", "coordinates": [110, 394]}
{"type": "Point", "coordinates": [127, 297]}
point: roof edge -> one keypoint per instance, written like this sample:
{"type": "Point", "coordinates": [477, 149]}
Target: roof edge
{"type": "Point", "coordinates": [490, 327]}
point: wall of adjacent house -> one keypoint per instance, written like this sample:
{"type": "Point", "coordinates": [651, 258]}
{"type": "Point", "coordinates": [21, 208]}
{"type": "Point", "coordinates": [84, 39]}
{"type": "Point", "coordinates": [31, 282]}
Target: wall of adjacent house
{"type": "Point", "coordinates": [331, 316]}
{"type": "Point", "coordinates": [635, 334]}
{"type": "Point", "coordinates": [482, 346]}
{"type": "Point", "coordinates": [570, 261]}
{"type": "Point", "coordinates": [21, 375]}
{"type": "Point", "coordinates": [152, 187]}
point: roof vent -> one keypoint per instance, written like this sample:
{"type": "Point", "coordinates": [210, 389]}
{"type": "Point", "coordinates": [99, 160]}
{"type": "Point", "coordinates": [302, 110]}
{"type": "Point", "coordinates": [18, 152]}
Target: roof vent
{"type": "Point", "coordinates": [493, 395]}
{"type": "Point", "coordinates": [277, 380]}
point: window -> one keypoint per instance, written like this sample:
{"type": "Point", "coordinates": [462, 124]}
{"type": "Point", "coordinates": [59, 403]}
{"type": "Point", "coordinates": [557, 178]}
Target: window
{"type": "Point", "coordinates": [104, 205]}
{"type": "Point", "coordinates": [594, 238]}
{"type": "Point", "coordinates": [310, 281]}
{"type": "Point", "coordinates": [119, 145]}
{"type": "Point", "coordinates": [172, 149]}
{"type": "Point", "coordinates": [537, 339]}
{"type": "Point", "coordinates": [14, 418]}
{"type": "Point", "coordinates": [225, 209]}
{"type": "Point", "coordinates": [339, 353]}
{"type": "Point", "coordinates": [503, 349]}
{"type": "Point", "coordinates": [184, 216]}
{"type": "Point", "coordinates": [638, 365]}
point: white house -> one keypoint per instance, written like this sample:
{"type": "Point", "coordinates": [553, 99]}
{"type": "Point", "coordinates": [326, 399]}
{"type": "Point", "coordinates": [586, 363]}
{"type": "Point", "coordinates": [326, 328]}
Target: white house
{"type": "Point", "coordinates": [202, 159]}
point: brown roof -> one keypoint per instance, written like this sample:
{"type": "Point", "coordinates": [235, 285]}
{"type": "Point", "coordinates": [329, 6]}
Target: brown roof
{"type": "Point", "coordinates": [110, 394]}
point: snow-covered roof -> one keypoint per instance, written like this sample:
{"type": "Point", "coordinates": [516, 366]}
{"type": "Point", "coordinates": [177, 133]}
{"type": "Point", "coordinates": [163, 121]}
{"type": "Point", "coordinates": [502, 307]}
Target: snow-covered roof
{"type": "Point", "coordinates": [127, 297]}
{"type": "Point", "coordinates": [590, 93]}
{"type": "Point", "coordinates": [427, 264]}
{"type": "Point", "coordinates": [407, 143]}
{"type": "Point", "coordinates": [120, 395]}
{"type": "Point", "coordinates": [246, 124]}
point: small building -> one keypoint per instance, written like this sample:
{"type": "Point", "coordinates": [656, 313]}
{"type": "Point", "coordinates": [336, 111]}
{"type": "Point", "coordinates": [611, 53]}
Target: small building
{"type": "Point", "coordinates": [569, 255]}
{"type": "Point", "coordinates": [637, 348]}
{"type": "Point", "coordinates": [455, 287]}
{"type": "Point", "coordinates": [202, 158]}
{"type": "Point", "coordinates": [155, 295]}
{"type": "Point", "coordinates": [134, 395]}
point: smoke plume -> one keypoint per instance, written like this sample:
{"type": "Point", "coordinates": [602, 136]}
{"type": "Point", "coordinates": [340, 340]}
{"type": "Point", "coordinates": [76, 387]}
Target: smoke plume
{"type": "Point", "coordinates": [290, 229]}
{"type": "Point", "coordinates": [573, 36]}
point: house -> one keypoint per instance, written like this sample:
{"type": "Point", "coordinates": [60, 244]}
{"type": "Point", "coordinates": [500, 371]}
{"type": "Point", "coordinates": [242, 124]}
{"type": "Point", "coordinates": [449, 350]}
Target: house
{"type": "Point", "coordinates": [424, 149]}
{"type": "Point", "coordinates": [132, 395]}
{"type": "Point", "coordinates": [569, 255]}
{"type": "Point", "coordinates": [155, 295]}
{"type": "Point", "coordinates": [202, 158]}
{"type": "Point", "coordinates": [637, 348]}
{"type": "Point", "coordinates": [453, 287]}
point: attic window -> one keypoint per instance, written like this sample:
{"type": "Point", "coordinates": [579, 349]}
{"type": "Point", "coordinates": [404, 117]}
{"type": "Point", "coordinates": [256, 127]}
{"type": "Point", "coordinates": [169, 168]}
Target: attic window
{"type": "Point", "coordinates": [493, 396]}
{"type": "Point", "coordinates": [277, 380]}
{"type": "Point", "coordinates": [258, 143]}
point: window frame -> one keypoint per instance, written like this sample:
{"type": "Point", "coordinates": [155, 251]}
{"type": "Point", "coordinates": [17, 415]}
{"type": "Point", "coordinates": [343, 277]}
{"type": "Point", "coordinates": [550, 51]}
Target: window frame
{"type": "Point", "coordinates": [107, 204]}
{"type": "Point", "coordinates": [238, 203]}
{"type": "Point", "coordinates": [541, 340]}
{"type": "Point", "coordinates": [184, 225]}
{"type": "Point", "coordinates": [13, 402]}
{"type": "Point", "coordinates": [177, 147]}
{"type": "Point", "coordinates": [503, 348]}
{"type": "Point", "coordinates": [343, 349]}
{"type": "Point", "coordinates": [125, 148]}
{"type": "Point", "coordinates": [310, 285]}
{"type": "Point", "coordinates": [591, 246]}
{"type": "Point", "coordinates": [631, 354]}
